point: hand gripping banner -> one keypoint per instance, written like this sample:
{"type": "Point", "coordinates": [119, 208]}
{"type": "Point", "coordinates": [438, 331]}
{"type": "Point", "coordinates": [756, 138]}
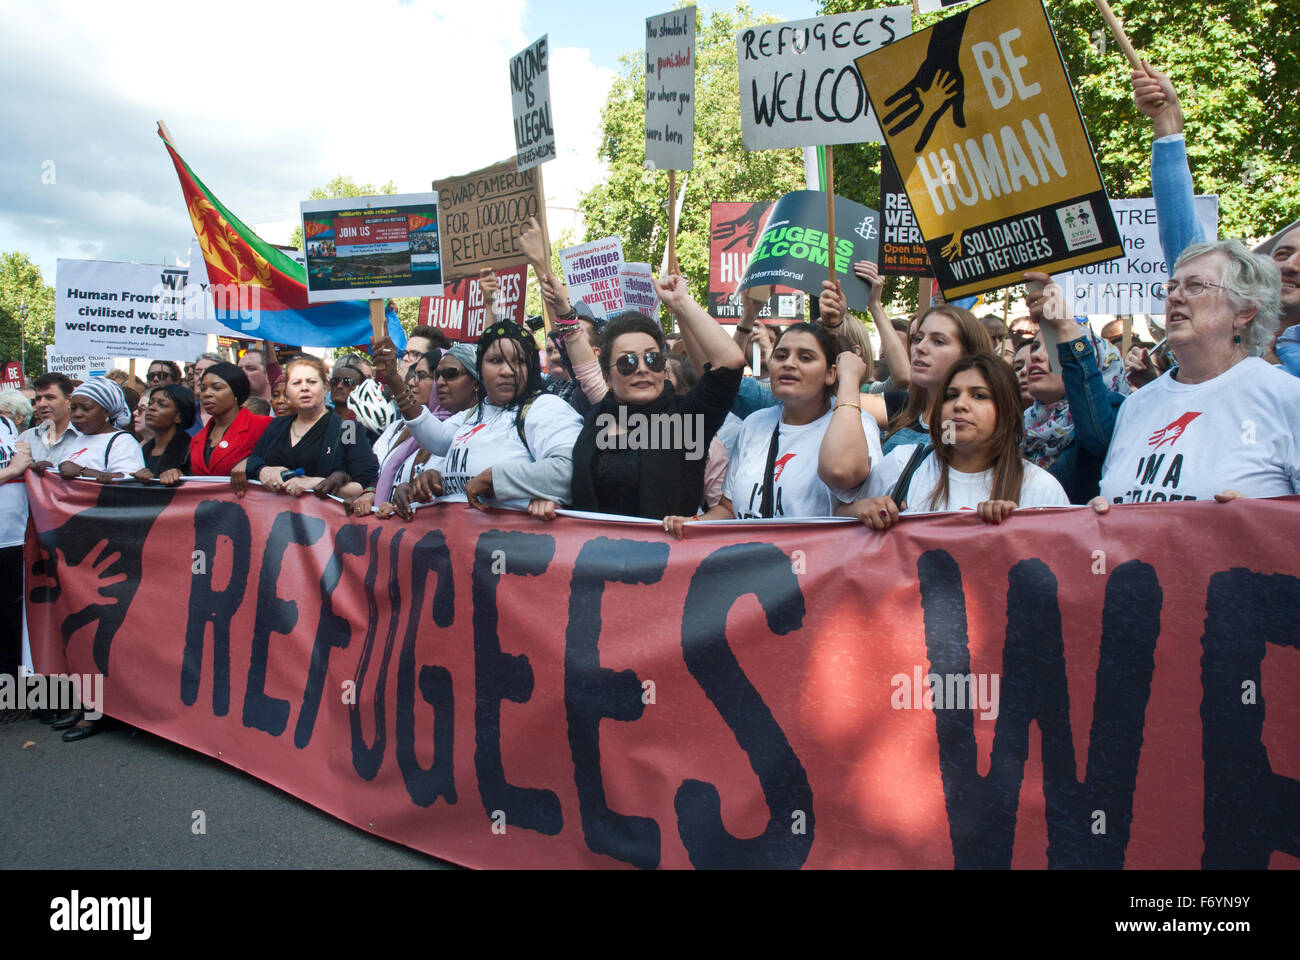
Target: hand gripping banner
{"type": "Point", "coordinates": [1064, 690]}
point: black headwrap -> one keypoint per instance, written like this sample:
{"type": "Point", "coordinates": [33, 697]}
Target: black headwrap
{"type": "Point", "coordinates": [184, 400]}
{"type": "Point", "coordinates": [235, 378]}
{"type": "Point", "coordinates": [509, 330]}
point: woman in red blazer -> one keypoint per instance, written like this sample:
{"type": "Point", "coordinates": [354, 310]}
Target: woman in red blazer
{"type": "Point", "coordinates": [224, 443]}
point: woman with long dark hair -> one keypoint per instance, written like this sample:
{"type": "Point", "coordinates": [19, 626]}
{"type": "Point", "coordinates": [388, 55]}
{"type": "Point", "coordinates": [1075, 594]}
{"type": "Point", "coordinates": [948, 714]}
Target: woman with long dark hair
{"type": "Point", "coordinates": [803, 457]}
{"type": "Point", "coordinates": [972, 460]}
{"type": "Point", "coordinates": [517, 445]}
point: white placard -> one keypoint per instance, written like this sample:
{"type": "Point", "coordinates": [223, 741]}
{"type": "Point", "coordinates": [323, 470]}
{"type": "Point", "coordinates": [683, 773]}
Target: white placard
{"type": "Point", "coordinates": [592, 272]}
{"type": "Point", "coordinates": [799, 85]}
{"type": "Point", "coordinates": [76, 367]}
{"type": "Point", "coordinates": [639, 289]}
{"type": "Point", "coordinates": [106, 308]}
{"type": "Point", "coordinates": [530, 101]}
{"type": "Point", "coordinates": [1131, 283]}
{"type": "Point", "coordinates": [670, 90]}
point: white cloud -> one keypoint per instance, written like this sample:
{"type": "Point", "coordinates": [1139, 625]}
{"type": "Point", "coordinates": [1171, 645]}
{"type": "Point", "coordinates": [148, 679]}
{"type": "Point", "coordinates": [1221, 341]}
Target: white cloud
{"type": "Point", "coordinates": [265, 100]}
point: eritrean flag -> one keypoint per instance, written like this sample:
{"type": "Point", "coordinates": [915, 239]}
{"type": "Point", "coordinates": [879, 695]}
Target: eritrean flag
{"type": "Point", "coordinates": [237, 257]}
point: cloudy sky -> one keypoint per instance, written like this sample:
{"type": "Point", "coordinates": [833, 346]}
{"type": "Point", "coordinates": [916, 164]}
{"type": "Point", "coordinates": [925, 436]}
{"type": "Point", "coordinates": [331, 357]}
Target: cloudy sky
{"type": "Point", "coordinates": [268, 99]}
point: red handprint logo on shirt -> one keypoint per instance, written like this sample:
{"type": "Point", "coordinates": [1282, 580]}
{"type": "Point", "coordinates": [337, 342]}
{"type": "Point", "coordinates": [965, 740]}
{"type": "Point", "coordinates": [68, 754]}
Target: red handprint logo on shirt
{"type": "Point", "coordinates": [1173, 431]}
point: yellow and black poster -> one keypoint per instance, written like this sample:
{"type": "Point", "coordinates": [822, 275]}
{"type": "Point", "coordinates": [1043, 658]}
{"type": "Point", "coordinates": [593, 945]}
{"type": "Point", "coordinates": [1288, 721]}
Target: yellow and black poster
{"type": "Point", "coordinates": [991, 147]}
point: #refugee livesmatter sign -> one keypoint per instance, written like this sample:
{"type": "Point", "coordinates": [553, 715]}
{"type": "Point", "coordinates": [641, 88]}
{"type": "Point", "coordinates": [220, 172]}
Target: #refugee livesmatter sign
{"type": "Point", "coordinates": [981, 120]}
{"type": "Point", "coordinates": [530, 99]}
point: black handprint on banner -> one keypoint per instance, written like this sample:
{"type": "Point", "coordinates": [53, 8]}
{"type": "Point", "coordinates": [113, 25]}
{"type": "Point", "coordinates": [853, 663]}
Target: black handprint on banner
{"type": "Point", "coordinates": [103, 546]}
{"type": "Point", "coordinates": [743, 229]}
{"type": "Point", "coordinates": [937, 85]}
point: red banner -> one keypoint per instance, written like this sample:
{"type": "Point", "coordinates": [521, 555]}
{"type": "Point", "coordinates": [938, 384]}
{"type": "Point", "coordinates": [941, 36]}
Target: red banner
{"type": "Point", "coordinates": [1065, 690]}
{"type": "Point", "coordinates": [461, 311]}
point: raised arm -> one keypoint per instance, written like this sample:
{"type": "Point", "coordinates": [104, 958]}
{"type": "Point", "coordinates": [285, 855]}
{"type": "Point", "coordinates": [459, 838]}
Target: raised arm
{"type": "Point", "coordinates": [832, 308]}
{"type": "Point", "coordinates": [1171, 177]}
{"type": "Point", "coordinates": [892, 350]}
{"type": "Point", "coordinates": [844, 460]}
{"type": "Point", "coordinates": [718, 349]}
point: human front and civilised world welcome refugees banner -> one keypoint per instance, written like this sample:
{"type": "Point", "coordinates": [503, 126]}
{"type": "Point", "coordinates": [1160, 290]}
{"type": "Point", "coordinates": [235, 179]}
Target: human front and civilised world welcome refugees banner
{"type": "Point", "coordinates": [981, 121]}
{"type": "Point", "coordinates": [1065, 690]}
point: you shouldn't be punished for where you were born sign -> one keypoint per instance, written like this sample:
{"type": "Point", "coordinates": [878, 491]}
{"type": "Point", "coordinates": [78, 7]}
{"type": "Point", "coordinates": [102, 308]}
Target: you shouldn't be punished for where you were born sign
{"type": "Point", "coordinates": [670, 90]}
{"type": "Point", "coordinates": [530, 101]}
{"type": "Point", "coordinates": [982, 123]}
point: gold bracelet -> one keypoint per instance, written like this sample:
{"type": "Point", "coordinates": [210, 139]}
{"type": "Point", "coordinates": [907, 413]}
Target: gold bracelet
{"type": "Point", "coordinates": [854, 405]}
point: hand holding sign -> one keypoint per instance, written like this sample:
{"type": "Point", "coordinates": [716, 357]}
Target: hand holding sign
{"type": "Point", "coordinates": [533, 243]}
{"type": "Point", "coordinates": [1156, 98]}
{"type": "Point", "coordinates": [673, 292]}
{"type": "Point", "coordinates": [937, 84]}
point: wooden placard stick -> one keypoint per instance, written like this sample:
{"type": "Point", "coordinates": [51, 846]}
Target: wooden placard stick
{"type": "Point", "coordinates": [1126, 323]}
{"type": "Point", "coordinates": [830, 212]}
{"type": "Point", "coordinates": [1117, 30]}
{"type": "Point", "coordinates": [672, 222]}
{"type": "Point", "coordinates": [547, 320]}
{"type": "Point", "coordinates": [378, 324]}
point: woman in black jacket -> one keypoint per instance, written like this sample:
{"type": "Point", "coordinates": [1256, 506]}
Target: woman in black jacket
{"type": "Point", "coordinates": [314, 449]}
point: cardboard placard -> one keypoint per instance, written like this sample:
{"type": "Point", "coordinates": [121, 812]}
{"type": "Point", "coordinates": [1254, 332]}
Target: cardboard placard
{"type": "Point", "coordinates": [980, 117]}
{"type": "Point", "coordinates": [670, 90]}
{"type": "Point", "coordinates": [798, 85]}
{"type": "Point", "coordinates": [530, 100]}
{"type": "Point", "coordinates": [482, 214]}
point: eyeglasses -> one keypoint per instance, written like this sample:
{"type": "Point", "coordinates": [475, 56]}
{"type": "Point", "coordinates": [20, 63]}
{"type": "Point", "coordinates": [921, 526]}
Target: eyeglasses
{"type": "Point", "coordinates": [422, 375]}
{"type": "Point", "coordinates": [413, 355]}
{"type": "Point", "coordinates": [1192, 288]}
{"type": "Point", "coordinates": [448, 373]}
{"type": "Point", "coordinates": [157, 376]}
{"type": "Point", "coordinates": [343, 381]}
{"type": "Point", "coordinates": [627, 363]}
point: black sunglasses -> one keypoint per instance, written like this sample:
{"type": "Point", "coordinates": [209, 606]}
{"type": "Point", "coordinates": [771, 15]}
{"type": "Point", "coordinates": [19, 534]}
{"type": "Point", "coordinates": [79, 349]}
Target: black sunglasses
{"type": "Point", "coordinates": [451, 373]}
{"type": "Point", "coordinates": [342, 382]}
{"type": "Point", "coordinates": [627, 363]}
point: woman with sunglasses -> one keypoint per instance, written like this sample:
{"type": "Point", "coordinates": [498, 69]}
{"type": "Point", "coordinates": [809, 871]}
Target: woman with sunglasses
{"type": "Point", "coordinates": [312, 443]}
{"type": "Point", "coordinates": [972, 460]}
{"type": "Point", "coordinates": [457, 389]}
{"type": "Point", "coordinates": [804, 456]}
{"type": "Point", "coordinates": [643, 446]}
{"type": "Point", "coordinates": [517, 445]}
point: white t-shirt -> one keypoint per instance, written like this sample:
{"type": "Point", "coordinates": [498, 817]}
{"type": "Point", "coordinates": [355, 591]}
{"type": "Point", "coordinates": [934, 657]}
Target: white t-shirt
{"type": "Point", "coordinates": [1180, 441]}
{"type": "Point", "coordinates": [471, 444]}
{"type": "Point", "coordinates": [729, 433]}
{"type": "Point", "coordinates": [797, 490]}
{"type": "Point", "coordinates": [385, 444]}
{"type": "Point", "coordinates": [966, 491]}
{"type": "Point", "coordinates": [93, 451]}
{"type": "Point", "coordinates": [13, 495]}
{"type": "Point", "coordinates": [409, 469]}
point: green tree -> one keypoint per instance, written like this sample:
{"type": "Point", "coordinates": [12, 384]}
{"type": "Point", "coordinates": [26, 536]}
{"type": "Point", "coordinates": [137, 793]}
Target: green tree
{"type": "Point", "coordinates": [21, 283]}
{"type": "Point", "coordinates": [628, 204]}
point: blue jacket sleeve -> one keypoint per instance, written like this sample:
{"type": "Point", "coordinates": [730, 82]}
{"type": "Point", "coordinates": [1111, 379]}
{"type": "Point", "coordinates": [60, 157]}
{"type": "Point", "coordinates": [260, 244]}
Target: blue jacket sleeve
{"type": "Point", "coordinates": [1171, 185]}
{"type": "Point", "coordinates": [1093, 407]}
{"type": "Point", "coordinates": [752, 396]}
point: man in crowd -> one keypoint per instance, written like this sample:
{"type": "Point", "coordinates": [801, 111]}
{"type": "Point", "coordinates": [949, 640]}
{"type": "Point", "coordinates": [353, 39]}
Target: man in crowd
{"type": "Point", "coordinates": [253, 363]}
{"type": "Point", "coordinates": [54, 437]}
{"type": "Point", "coordinates": [163, 372]}
{"type": "Point", "coordinates": [419, 342]}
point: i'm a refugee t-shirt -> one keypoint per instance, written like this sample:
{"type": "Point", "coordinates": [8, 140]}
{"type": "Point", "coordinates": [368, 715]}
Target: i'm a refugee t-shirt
{"type": "Point", "coordinates": [1189, 441]}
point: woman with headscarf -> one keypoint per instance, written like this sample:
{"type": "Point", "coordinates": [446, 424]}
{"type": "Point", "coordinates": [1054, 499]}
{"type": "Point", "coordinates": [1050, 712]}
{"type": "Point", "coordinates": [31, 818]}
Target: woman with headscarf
{"type": "Point", "coordinates": [105, 449]}
{"type": "Point", "coordinates": [222, 447]}
{"type": "Point", "coordinates": [279, 402]}
{"type": "Point", "coordinates": [515, 445]}
{"type": "Point", "coordinates": [457, 388]}
{"type": "Point", "coordinates": [1069, 423]}
{"type": "Point", "coordinates": [170, 414]}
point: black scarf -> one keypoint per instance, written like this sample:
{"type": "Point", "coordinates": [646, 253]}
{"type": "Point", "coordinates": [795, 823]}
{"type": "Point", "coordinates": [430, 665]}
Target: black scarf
{"type": "Point", "coordinates": [670, 485]}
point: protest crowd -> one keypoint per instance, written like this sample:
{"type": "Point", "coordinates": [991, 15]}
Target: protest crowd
{"type": "Point", "coordinates": [611, 416]}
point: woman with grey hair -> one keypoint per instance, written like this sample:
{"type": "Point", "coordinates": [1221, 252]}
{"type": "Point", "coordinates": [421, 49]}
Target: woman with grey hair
{"type": "Point", "coordinates": [17, 408]}
{"type": "Point", "coordinates": [1224, 423]}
